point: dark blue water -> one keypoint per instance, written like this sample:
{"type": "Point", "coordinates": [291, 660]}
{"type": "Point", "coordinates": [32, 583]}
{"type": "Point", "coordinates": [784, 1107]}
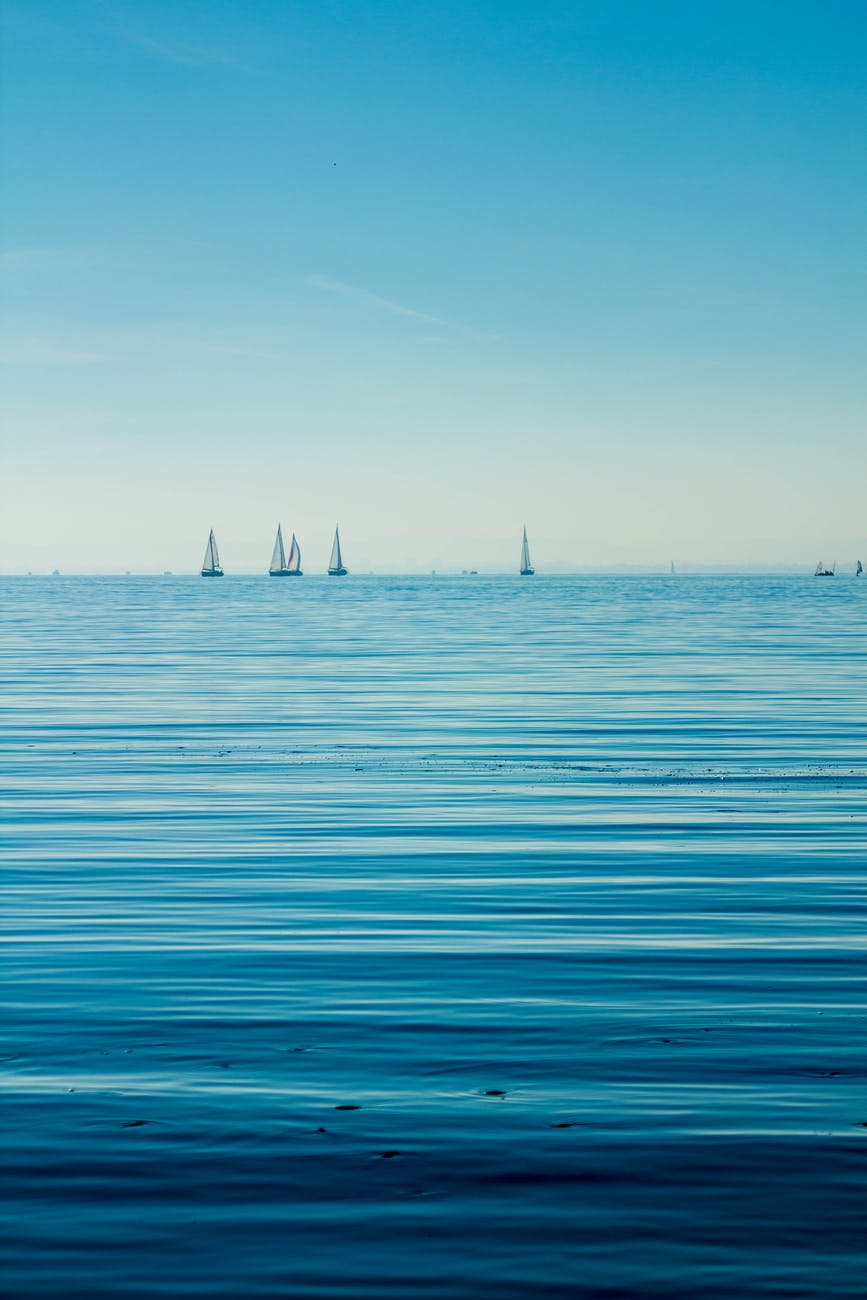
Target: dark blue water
{"type": "Point", "coordinates": [560, 884]}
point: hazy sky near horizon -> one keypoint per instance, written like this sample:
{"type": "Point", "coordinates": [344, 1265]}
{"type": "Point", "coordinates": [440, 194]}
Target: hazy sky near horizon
{"type": "Point", "coordinates": [434, 271]}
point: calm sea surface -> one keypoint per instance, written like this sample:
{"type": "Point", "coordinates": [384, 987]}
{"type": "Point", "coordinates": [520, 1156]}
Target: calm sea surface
{"type": "Point", "coordinates": [433, 937]}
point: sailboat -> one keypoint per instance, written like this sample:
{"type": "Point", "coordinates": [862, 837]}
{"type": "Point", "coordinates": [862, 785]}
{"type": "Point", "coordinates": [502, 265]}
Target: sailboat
{"type": "Point", "coordinates": [673, 570]}
{"type": "Point", "coordinates": [822, 572]}
{"type": "Point", "coordinates": [527, 569]}
{"type": "Point", "coordinates": [277, 568]}
{"type": "Point", "coordinates": [281, 565]}
{"type": "Point", "coordinates": [336, 567]}
{"type": "Point", "coordinates": [211, 567]}
{"type": "Point", "coordinates": [859, 569]}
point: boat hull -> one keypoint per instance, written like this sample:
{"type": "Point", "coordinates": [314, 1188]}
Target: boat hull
{"type": "Point", "coordinates": [337, 573]}
{"type": "Point", "coordinates": [212, 573]}
{"type": "Point", "coordinates": [527, 573]}
{"type": "Point", "coordinates": [285, 573]}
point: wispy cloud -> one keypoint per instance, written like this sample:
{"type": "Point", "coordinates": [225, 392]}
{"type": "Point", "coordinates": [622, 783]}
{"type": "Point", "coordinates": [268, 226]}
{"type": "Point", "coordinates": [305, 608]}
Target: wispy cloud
{"type": "Point", "coordinates": [373, 300]}
{"type": "Point", "coordinates": [37, 258]}
{"type": "Point", "coordinates": [191, 56]}
{"type": "Point", "coordinates": [230, 350]}
{"type": "Point", "coordinates": [37, 353]}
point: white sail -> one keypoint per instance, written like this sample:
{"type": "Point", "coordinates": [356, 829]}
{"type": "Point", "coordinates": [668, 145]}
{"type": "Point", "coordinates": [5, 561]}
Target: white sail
{"type": "Point", "coordinates": [294, 562]}
{"type": "Point", "coordinates": [278, 555]}
{"type": "Point", "coordinates": [211, 562]}
{"type": "Point", "coordinates": [526, 566]}
{"type": "Point", "coordinates": [336, 562]}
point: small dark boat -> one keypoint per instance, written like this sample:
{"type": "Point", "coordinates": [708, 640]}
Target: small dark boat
{"type": "Point", "coordinates": [822, 572]}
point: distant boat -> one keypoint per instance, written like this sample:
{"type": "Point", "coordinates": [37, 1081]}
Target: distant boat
{"type": "Point", "coordinates": [336, 567]}
{"type": "Point", "coordinates": [527, 569]}
{"type": "Point", "coordinates": [277, 567]}
{"type": "Point", "coordinates": [673, 570]}
{"type": "Point", "coordinates": [822, 572]}
{"type": "Point", "coordinates": [211, 567]}
{"type": "Point", "coordinates": [281, 565]}
{"type": "Point", "coordinates": [859, 570]}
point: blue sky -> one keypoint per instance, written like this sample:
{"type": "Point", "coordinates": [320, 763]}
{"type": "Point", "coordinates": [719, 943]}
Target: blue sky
{"type": "Point", "coordinates": [434, 271]}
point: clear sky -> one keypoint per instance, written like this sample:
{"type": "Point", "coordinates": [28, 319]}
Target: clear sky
{"type": "Point", "coordinates": [434, 271]}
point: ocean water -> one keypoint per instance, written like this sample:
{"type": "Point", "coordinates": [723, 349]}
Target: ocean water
{"type": "Point", "coordinates": [433, 937]}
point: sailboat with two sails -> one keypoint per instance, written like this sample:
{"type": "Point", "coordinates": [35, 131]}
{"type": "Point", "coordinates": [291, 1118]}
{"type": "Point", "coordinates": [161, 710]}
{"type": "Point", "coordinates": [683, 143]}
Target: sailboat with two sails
{"type": "Point", "coordinates": [283, 565]}
{"type": "Point", "coordinates": [211, 567]}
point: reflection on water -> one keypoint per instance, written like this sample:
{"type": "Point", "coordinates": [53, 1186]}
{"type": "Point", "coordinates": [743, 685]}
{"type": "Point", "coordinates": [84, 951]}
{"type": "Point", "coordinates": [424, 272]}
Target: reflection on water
{"type": "Point", "coordinates": [426, 937]}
